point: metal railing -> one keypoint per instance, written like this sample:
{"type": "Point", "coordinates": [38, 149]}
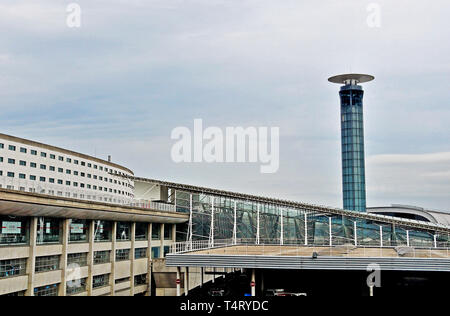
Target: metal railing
{"type": "Point", "coordinates": [271, 247]}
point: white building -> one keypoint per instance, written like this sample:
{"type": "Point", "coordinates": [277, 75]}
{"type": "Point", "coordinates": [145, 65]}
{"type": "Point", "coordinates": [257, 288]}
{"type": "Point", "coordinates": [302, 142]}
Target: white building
{"type": "Point", "coordinates": [30, 166]}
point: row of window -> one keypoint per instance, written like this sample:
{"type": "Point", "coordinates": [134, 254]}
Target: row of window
{"type": "Point", "coordinates": [23, 163]}
{"type": "Point", "coordinates": [79, 285]}
{"type": "Point", "coordinates": [49, 231]}
{"type": "Point", "coordinates": [23, 176]}
{"type": "Point", "coordinates": [61, 158]}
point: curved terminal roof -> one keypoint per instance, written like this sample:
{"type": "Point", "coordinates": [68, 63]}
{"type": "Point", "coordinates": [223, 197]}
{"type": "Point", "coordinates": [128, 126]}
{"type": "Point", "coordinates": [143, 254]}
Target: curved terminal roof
{"type": "Point", "coordinates": [433, 216]}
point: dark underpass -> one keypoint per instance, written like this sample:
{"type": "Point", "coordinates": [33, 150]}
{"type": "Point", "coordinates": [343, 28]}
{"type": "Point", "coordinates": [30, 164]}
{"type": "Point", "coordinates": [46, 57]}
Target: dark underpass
{"type": "Point", "coordinates": [327, 283]}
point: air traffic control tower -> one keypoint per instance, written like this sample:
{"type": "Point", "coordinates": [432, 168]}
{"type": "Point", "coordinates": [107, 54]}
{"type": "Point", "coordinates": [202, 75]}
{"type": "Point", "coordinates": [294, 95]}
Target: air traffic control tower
{"type": "Point", "coordinates": [352, 140]}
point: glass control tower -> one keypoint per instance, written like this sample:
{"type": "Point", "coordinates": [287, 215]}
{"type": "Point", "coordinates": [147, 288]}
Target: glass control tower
{"type": "Point", "coordinates": [352, 140]}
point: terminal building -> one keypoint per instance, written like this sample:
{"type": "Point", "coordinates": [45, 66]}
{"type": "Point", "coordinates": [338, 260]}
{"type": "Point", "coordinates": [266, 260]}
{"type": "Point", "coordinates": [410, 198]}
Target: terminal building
{"type": "Point", "coordinates": [73, 224]}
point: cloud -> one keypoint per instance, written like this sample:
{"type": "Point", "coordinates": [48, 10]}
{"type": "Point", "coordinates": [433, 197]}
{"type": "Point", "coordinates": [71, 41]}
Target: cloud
{"type": "Point", "coordinates": [137, 69]}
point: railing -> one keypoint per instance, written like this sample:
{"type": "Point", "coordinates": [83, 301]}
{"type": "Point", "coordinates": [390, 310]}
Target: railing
{"type": "Point", "coordinates": [273, 248]}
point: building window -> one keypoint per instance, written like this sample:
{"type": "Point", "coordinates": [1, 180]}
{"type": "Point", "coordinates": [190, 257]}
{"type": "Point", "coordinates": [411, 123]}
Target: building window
{"type": "Point", "coordinates": [51, 180]}
{"type": "Point", "coordinates": [47, 263]}
{"type": "Point", "coordinates": [2, 146]}
{"type": "Point", "coordinates": [33, 165]}
{"type": "Point", "coordinates": [23, 150]}
{"type": "Point", "coordinates": [11, 161]}
{"type": "Point", "coordinates": [156, 231]}
{"type": "Point", "coordinates": [79, 259]}
{"type": "Point", "coordinates": [22, 176]}
{"type": "Point", "coordinates": [1, 159]}
{"type": "Point", "coordinates": [100, 280]}
{"type": "Point", "coordinates": [52, 156]}
{"type": "Point", "coordinates": [43, 154]}
{"type": "Point", "coordinates": [48, 230]}
{"type": "Point", "coordinates": [13, 267]}
{"type": "Point", "coordinates": [83, 163]}
{"type": "Point", "coordinates": [123, 231]}
{"type": "Point", "coordinates": [102, 257]}
{"type": "Point", "coordinates": [32, 177]}
{"type": "Point", "coordinates": [43, 167]}
{"type": "Point", "coordinates": [60, 158]}
{"type": "Point", "coordinates": [122, 280]}
{"type": "Point", "coordinates": [166, 250]}
{"type": "Point", "coordinates": [48, 290]}
{"type": "Point", "coordinates": [68, 160]}
{"type": "Point", "coordinates": [10, 174]}
{"type": "Point", "coordinates": [79, 230]}
{"type": "Point", "coordinates": [68, 171]}
{"type": "Point", "coordinates": [155, 252]}
{"type": "Point", "coordinates": [11, 147]}
{"type": "Point", "coordinates": [102, 231]}
{"type": "Point", "coordinates": [122, 254]}
{"type": "Point", "coordinates": [141, 231]}
{"type": "Point", "coordinates": [76, 286]}
{"type": "Point", "coordinates": [42, 179]}
{"type": "Point", "coordinates": [60, 181]}
{"type": "Point", "coordinates": [140, 253]}
{"type": "Point", "coordinates": [168, 231]}
{"type": "Point", "coordinates": [22, 163]}
{"type": "Point", "coordinates": [60, 169]}
{"type": "Point", "coordinates": [75, 162]}
{"type": "Point", "coordinates": [33, 152]}
{"type": "Point", "coordinates": [140, 279]}
{"type": "Point", "coordinates": [67, 182]}
{"type": "Point", "coordinates": [75, 173]}
{"type": "Point", "coordinates": [13, 230]}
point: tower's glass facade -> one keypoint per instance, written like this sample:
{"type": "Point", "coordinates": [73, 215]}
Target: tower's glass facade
{"type": "Point", "coordinates": [352, 136]}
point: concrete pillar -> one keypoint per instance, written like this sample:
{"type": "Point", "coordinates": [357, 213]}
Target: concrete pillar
{"type": "Point", "coordinates": [132, 257]}
{"type": "Point", "coordinates": [31, 263]}
{"type": "Point", "coordinates": [201, 276]}
{"type": "Point", "coordinates": [186, 281]}
{"type": "Point", "coordinates": [90, 257]}
{"type": "Point", "coordinates": [253, 284]}
{"type": "Point", "coordinates": [149, 260]}
{"type": "Point", "coordinates": [112, 277]}
{"type": "Point", "coordinates": [178, 281]}
{"type": "Point", "coordinates": [63, 262]}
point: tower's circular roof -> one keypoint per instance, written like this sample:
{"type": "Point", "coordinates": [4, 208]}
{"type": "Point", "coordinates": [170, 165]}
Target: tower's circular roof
{"type": "Point", "coordinates": [360, 78]}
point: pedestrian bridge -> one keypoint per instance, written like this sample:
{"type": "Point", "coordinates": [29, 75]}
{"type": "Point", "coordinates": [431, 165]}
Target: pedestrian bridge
{"type": "Point", "coordinates": [247, 254]}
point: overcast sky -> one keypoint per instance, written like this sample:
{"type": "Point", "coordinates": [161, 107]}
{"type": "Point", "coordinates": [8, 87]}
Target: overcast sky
{"type": "Point", "coordinates": [135, 70]}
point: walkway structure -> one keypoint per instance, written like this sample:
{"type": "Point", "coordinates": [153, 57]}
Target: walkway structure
{"type": "Point", "coordinates": [223, 215]}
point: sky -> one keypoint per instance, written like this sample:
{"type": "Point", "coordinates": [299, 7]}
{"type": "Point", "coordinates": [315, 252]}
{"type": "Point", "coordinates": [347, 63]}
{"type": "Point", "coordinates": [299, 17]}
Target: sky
{"type": "Point", "coordinates": [135, 70]}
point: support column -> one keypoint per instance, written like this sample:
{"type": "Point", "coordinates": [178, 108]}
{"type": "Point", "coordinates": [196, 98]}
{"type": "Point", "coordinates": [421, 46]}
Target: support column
{"type": "Point", "coordinates": [90, 257]}
{"type": "Point", "coordinates": [330, 231]}
{"type": "Point", "coordinates": [306, 229]}
{"type": "Point", "coordinates": [149, 259]}
{"type": "Point", "coordinates": [186, 281]}
{"type": "Point", "coordinates": [407, 238]}
{"type": "Point", "coordinates": [63, 263]}
{"type": "Point", "coordinates": [381, 236]}
{"type": "Point", "coordinates": [112, 277]}
{"type": "Point", "coordinates": [132, 257]}
{"type": "Point", "coordinates": [253, 284]}
{"type": "Point", "coordinates": [235, 223]}
{"type": "Point", "coordinates": [178, 281]}
{"type": "Point", "coordinates": [257, 224]}
{"type": "Point", "coordinates": [201, 276]}
{"type": "Point", "coordinates": [435, 240]}
{"type": "Point", "coordinates": [190, 223]}
{"type": "Point", "coordinates": [211, 228]}
{"type": "Point", "coordinates": [282, 228]}
{"type": "Point", "coordinates": [355, 233]}
{"type": "Point", "coordinates": [31, 262]}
